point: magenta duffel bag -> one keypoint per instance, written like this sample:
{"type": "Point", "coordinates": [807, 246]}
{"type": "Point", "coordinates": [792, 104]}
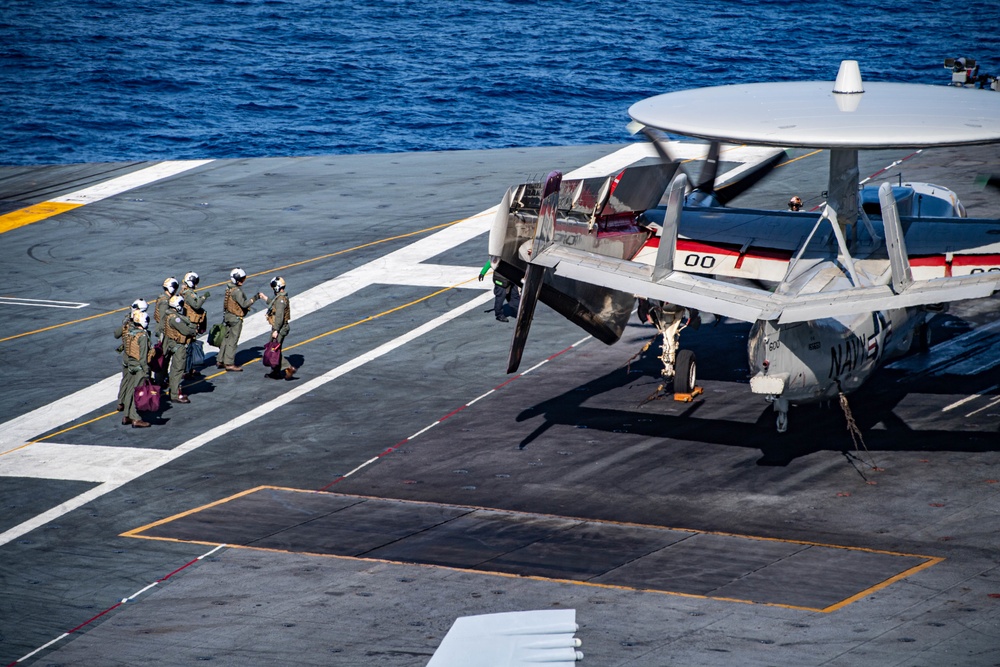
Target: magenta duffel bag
{"type": "Point", "coordinates": [272, 354]}
{"type": "Point", "coordinates": [147, 396]}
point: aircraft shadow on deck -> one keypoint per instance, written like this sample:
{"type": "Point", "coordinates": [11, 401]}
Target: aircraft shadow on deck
{"type": "Point", "coordinates": [812, 428]}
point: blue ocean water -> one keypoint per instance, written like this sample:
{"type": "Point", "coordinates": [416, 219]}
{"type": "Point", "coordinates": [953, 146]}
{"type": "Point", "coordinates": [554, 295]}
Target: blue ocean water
{"type": "Point", "coordinates": [120, 80]}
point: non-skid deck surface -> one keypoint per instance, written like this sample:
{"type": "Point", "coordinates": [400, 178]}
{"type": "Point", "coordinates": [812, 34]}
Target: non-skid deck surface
{"type": "Point", "coordinates": [741, 568]}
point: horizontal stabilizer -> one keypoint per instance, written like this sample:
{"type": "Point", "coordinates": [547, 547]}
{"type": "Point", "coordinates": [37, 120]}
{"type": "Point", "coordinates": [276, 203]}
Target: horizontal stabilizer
{"type": "Point", "coordinates": [750, 304]}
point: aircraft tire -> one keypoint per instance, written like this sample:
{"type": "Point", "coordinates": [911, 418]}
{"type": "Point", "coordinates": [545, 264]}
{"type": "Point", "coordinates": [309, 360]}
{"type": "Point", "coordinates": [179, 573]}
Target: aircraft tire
{"type": "Point", "coordinates": [685, 372]}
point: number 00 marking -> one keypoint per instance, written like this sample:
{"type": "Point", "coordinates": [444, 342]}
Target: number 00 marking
{"type": "Point", "coordinates": [704, 261]}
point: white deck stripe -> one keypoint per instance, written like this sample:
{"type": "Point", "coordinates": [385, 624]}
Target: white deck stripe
{"type": "Point", "coordinates": [143, 461]}
{"type": "Point", "coordinates": [402, 266]}
{"type": "Point", "coordinates": [32, 461]}
{"type": "Point", "coordinates": [968, 398]}
{"type": "Point", "coordinates": [136, 179]}
{"type": "Point", "coordinates": [989, 405]}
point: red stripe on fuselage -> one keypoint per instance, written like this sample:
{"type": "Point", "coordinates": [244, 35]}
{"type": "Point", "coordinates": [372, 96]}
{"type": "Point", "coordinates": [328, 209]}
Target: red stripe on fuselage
{"type": "Point", "coordinates": [957, 260]}
{"type": "Point", "coordinates": [688, 245]}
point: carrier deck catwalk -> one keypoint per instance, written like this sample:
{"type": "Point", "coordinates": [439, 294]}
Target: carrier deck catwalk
{"type": "Point", "coordinates": [401, 480]}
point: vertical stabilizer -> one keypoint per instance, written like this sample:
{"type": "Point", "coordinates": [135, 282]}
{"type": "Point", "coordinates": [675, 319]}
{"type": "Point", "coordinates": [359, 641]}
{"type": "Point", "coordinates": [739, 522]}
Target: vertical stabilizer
{"type": "Point", "coordinates": [671, 220]}
{"type": "Point", "coordinates": [899, 262]}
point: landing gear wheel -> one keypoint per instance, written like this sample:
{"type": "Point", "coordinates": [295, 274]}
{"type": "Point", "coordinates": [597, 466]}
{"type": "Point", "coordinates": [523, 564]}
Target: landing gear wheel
{"type": "Point", "coordinates": [685, 372]}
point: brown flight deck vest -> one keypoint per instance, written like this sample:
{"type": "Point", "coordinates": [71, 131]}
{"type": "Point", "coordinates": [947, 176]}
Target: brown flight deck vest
{"type": "Point", "coordinates": [175, 335]}
{"type": "Point", "coordinates": [288, 312]}
{"type": "Point", "coordinates": [230, 306]}
{"type": "Point", "coordinates": [132, 348]}
{"type": "Point", "coordinates": [193, 315]}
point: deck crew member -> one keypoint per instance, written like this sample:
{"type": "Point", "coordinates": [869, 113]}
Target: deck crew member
{"type": "Point", "coordinates": [503, 290]}
{"type": "Point", "coordinates": [137, 305]}
{"type": "Point", "coordinates": [235, 306]}
{"type": "Point", "coordinates": [194, 303]}
{"type": "Point", "coordinates": [279, 315]}
{"type": "Point", "coordinates": [194, 310]}
{"type": "Point", "coordinates": [178, 331]}
{"type": "Point", "coordinates": [135, 366]}
{"type": "Point", "coordinates": [170, 286]}
{"type": "Point", "coordinates": [795, 203]}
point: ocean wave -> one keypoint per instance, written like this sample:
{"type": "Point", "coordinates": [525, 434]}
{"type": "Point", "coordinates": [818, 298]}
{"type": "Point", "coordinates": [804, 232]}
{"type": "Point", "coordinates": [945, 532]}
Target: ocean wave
{"type": "Point", "coordinates": [124, 80]}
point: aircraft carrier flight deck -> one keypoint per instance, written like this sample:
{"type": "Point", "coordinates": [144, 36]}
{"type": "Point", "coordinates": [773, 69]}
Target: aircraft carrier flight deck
{"type": "Point", "coordinates": [401, 479]}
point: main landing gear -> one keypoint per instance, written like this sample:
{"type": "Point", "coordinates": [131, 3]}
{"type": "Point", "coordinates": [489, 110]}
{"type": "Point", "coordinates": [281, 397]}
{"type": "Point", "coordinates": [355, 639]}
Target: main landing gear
{"type": "Point", "coordinates": [680, 368]}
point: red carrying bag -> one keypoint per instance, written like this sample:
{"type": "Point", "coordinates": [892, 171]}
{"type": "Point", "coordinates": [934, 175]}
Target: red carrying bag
{"type": "Point", "coordinates": [158, 363]}
{"type": "Point", "coordinates": [272, 354]}
{"type": "Point", "coordinates": [147, 396]}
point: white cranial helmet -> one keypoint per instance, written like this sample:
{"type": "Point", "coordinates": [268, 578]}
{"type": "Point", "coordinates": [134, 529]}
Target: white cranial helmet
{"type": "Point", "coordinates": [277, 284]}
{"type": "Point", "coordinates": [140, 304]}
{"type": "Point", "coordinates": [191, 279]}
{"type": "Point", "coordinates": [237, 275]}
{"type": "Point", "coordinates": [141, 318]}
{"type": "Point", "coordinates": [171, 285]}
{"type": "Point", "coordinates": [177, 303]}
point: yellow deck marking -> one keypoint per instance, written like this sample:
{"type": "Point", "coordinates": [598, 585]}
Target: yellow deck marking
{"type": "Point", "coordinates": [930, 560]}
{"type": "Point", "coordinates": [26, 216]}
{"type": "Point", "coordinates": [796, 159]}
{"type": "Point", "coordinates": [96, 192]}
{"type": "Point", "coordinates": [256, 359]}
{"type": "Point", "coordinates": [252, 275]}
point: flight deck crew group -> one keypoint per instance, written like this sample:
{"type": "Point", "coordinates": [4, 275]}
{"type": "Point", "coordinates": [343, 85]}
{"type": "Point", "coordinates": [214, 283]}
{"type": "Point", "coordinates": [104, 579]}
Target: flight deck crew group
{"type": "Point", "coordinates": [180, 317]}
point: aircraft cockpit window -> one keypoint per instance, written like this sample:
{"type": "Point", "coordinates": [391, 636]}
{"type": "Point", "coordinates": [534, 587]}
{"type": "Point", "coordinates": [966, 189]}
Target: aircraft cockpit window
{"type": "Point", "coordinates": [872, 209]}
{"type": "Point", "coordinates": [933, 207]}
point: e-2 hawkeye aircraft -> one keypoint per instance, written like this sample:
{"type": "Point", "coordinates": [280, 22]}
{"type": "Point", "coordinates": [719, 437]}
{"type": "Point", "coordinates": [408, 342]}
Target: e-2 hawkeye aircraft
{"type": "Point", "coordinates": [830, 296]}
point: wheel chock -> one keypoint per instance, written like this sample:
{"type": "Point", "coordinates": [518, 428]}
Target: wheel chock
{"type": "Point", "coordinates": [687, 398]}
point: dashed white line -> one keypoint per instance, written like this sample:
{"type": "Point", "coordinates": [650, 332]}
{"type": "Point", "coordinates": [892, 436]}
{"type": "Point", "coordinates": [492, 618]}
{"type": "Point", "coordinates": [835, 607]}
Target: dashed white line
{"type": "Point", "coordinates": [968, 399]}
{"type": "Point", "coordinates": [985, 407]}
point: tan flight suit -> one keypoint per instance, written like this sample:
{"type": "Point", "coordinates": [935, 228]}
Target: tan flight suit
{"type": "Point", "coordinates": [177, 333]}
{"type": "Point", "coordinates": [135, 367]}
{"type": "Point", "coordinates": [119, 333]}
{"type": "Point", "coordinates": [235, 306]}
{"type": "Point", "coordinates": [279, 315]}
{"type": "Point", "coordinates": [194, 310]}
{"type": "Point", "coordinates": [160, 312]}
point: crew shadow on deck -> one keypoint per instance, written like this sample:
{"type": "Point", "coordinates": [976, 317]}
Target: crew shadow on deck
{"type": "Point", "coordinates": [247, 355]}
{"type": "Point", "coordinates": [812, 428]}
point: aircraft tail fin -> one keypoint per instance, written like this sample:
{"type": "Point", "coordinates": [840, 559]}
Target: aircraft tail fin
{"type": "Point", "coordinates": [671, 221]}
{"type": "Point", "coordinates": [895, 245]}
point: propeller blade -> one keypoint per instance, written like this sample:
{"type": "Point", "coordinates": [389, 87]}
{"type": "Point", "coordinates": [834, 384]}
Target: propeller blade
{"type": "Point", "coordinates": [710, 171]}
{"type": "Point", "coordinates": [525, 314]}
{"type": "Point", "coordinates": [731, 191]}
{"type": "Point", "coordinates": [499, 229]}
{"type": "Point", "coordinates": [659, 142]}
{"type": "Point", "coordinates": [552, 183]}
{"type": "Point", "coordinates": [532, 287]}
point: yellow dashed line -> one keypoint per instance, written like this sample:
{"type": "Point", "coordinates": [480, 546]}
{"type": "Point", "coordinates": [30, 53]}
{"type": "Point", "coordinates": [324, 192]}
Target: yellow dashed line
{"type": "Point", "coordinates": [252, 275]}
{"type": "Point", "coordinates": [256, 359]}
